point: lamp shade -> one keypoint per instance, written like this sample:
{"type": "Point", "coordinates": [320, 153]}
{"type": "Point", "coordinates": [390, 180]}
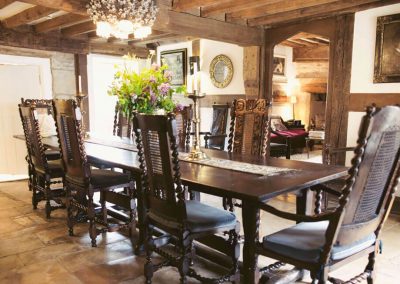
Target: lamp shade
{"type": "Point", "coordinates": [293, 99]}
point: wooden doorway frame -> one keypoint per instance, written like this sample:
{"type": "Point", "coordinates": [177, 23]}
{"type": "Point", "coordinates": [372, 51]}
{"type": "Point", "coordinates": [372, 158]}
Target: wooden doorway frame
{"type": "Point", "coordinates": [339, 30]}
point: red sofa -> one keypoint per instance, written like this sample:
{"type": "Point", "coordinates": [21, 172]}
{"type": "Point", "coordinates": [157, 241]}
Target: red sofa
{"type": "Point", "coordinates": [293, 136]}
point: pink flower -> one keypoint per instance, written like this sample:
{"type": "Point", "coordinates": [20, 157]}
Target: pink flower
{"type": "Point", "coordinates": [179, 107]}
{"type": "Point", "coordinates": [164, 88]}
{"type": "Point", "coordinates": [168, 74]}
{"type": "Point", "coordinates": [152, 79]}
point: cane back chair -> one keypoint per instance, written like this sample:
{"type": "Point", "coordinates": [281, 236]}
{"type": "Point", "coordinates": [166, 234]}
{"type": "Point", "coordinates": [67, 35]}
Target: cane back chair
{"type": "Point", "coordinates": [215, 138]}
{"type": "Point", "coordinates": [326, 241]}
{"type": "Point", "coordinates": [182, 220]}
{"type": "Point", "coordinates": [81, 181]}
{"type": "Point", "coordinates": [43, 172]}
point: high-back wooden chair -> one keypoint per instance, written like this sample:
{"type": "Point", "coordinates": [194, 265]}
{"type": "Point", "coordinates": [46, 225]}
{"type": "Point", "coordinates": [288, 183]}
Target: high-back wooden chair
{"type": "Point", "coordinates": [122, 125]}
{"type": "Point", "coordinates": [81, 181]}
{"type": "Point", "coordinates": [249, 127]}
{"type": "Point", "coordinates": [323, 242]}
{"type": "Point", "coordinates": [215, 139]}
{"type": "Point", "coordinates": [43, 172]}
{"type": "Point", "coordinates": [183, 120]}
{"type": "Point", "coordinates": [167, 209]}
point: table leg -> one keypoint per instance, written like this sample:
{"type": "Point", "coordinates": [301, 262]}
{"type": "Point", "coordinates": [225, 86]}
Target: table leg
{"type": "Point", "coordinates": [251, 224]}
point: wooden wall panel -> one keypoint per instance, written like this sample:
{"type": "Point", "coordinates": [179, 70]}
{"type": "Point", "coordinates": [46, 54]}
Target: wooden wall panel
{"type": "Point", "coordinates": [359, 101]}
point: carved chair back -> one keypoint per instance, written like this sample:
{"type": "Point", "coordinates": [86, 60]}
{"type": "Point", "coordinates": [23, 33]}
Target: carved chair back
{"type": "Point", "coordinates": [158, 156]}
{"type": "Point", "coordinates": [122, 125]}
{"type": "Point", "coordinates": [30, 124]}
{"type": "Point", "coordinates": [373, 176]}
{"type": "Point", "coordinates": [249, 127]}
{"type": "Point", "coordinates": [183, 121]}
{"type": "Point", "coordinates": [68, 119]}
{"type": "Point", "coordinates": [39, 104]}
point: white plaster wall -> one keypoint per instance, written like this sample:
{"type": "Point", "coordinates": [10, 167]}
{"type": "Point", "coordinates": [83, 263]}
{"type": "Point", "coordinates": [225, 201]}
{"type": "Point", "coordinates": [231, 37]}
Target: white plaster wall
{"type": "Point", "coordinates": [285, 109]}
{"type": "Point", "coordinates": [209, 49]}
{"type": "Point", "coordinates": [363, 65]}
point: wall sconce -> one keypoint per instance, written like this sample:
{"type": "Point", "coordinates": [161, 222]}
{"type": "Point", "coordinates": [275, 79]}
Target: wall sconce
{"type": "Point", "coordinates": [194, 61]}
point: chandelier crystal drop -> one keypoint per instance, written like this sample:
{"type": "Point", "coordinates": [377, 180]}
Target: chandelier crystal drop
{"type": "Point", "coordinates": [120, 18]}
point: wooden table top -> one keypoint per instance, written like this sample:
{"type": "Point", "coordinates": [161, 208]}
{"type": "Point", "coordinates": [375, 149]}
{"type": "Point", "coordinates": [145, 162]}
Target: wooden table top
{"type": "Point", "coordinates": [224, 182]}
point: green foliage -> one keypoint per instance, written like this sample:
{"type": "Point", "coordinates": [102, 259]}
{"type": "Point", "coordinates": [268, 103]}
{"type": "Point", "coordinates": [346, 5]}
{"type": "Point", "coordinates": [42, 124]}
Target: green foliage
{"type": "Point", "coordinates": [147, 92]}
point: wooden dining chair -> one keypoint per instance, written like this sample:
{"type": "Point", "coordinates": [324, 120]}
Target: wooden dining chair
{"type": "Point", "coordinates": [181, 221]}
{"type": "Point", "coordinates": [122, 125]}
{"type": "Point", "coordinates": [325, 241]}
{"type": "Point", "coordinates": [43, 172]}
{"type": "Point", "coordinates": [183, 120]}
{"type": "Point", "coordinates": [215, 138]}
{"type": "Point", "coordinates": [43, 106]}
{"type": "Point", "coordinates": [82, 182]}
{"type": "Point", "coordinates": [249, 127]}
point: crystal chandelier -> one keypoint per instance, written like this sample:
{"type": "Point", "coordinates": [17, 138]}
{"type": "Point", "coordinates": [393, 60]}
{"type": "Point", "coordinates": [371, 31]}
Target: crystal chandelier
{"type": "Point", "coordinates": [120, 18]}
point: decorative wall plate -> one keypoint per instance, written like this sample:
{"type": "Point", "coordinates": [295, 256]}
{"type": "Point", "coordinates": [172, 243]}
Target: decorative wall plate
{"type": "Point", "coordinates": [221, 71]}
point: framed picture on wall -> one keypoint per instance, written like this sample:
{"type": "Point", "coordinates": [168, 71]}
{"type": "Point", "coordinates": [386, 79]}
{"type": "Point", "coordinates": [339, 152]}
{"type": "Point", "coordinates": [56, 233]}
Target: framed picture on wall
{"type": "Point", "coordinates": [387, 50]}
{"type": "Point", "coordinates": [279, 66]}
{"type": "Point", "coordinates": [176, 61]}
{"type": "Point", "coordinates": [279, 94]}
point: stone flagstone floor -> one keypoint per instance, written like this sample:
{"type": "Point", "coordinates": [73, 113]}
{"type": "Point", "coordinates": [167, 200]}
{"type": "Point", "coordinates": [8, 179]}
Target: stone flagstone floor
{"type": "Point", "coordinates": [36, 250]}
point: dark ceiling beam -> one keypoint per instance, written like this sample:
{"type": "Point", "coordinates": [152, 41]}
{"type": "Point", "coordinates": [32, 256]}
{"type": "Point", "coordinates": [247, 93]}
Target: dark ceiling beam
{"type": "Point", "coordinates": [321, 11]}
{"type": "Point", "coordinates": [27, 16]}
{"type": "Point", "coordinates": [233, 6]}
{"type": "Point", "coordinates": [71, 6]}
{"type": "Point", "coordinates": [9, 37]}
{"type": "Point", "coordinates": [60, 22]}
{"type": "Point", "coordinates": [189, 25]}
{"type": "Point", "coordinates": [278, 7]}
{"type": "Point", "coordinates": [184, 5]}
{"type": "Point", "coordinates": [78, 29]}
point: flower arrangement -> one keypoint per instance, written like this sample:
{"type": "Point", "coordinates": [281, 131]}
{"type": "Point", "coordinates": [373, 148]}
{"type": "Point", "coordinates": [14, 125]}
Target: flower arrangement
{"type": "Point", "coordinates": [147, 92]}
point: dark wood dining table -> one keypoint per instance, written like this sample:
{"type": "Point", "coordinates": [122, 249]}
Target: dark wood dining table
{"type": "Point", "coordinates": [250, 188]}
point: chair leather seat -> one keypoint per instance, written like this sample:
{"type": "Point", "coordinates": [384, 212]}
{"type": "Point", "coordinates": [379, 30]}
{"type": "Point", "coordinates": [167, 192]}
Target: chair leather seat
{"type": "Point", "coordinates": [52, 154]}
{"type": "Point", "coordinates": [200, 218]}
{"type": "Point", "coordinates": [55, 168]}
{"type": "Point", "coordinates": [305, 241]}
{"type": "Point", "coordinates": [106, 178]}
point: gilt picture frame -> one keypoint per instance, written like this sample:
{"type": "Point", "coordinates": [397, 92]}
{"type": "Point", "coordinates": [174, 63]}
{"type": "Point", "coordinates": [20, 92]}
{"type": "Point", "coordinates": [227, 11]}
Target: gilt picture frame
{"type": "Point", "coordinates": [387, 50]}
{"type": "Point", "coordinates": [177, 63]}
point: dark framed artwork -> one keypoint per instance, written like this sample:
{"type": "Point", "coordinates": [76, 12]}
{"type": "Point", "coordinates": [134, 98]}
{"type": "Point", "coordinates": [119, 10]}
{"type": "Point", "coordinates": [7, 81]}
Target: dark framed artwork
{"type": "Point", "coordinates": [387, 50]}
{"type": "Point", "coordinates": [177, 63]}
{"type": "Point", "coordinates": [279, 66]}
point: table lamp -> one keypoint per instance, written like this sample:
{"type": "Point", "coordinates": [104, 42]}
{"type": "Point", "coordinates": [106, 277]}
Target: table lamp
{"type": "Point", "coordinates": [293, 100]}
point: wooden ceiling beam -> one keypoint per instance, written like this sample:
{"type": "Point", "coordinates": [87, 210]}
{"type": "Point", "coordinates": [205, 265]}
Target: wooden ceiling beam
{"type": "Point", "coordinates": [153, 39]}
{"type": "Point", "coordinates": [27, 16]}
{"type": "Point", "coordinates": [278, 7]}
{"type": "Point", "coordinates": [291, 44]}
{"type": "Point", "coordinates": [310, 13]}
{"type": "Point", "coordinates": [71, 6]}
{"type": "Point", "coordinates": [60, 22]}
{"type": "Point", "coordinates": [78, 29]}
{"type": "Point", "coordinates": [189, 25]}
{"type": "Point", "coordinates": [9, 37]}
{"type": "Point", "coordinates": [233, 6]}
{"type": "Point", "coordinates": [298, 41]}
{"type": "Point", "coordinates": [5, 3]}
{"type": "Point", "coordinates": [184, 5]}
